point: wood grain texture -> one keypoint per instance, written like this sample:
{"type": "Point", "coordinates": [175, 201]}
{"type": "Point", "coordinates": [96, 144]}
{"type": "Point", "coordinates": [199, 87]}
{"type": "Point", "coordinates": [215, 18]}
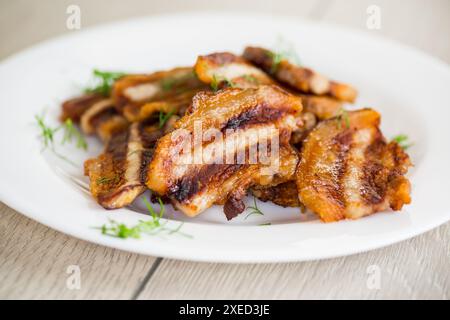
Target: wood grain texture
{"type": "Point", "coordinates": [34, 261]}
{"type": "Point", "coordinates": [414, 269]}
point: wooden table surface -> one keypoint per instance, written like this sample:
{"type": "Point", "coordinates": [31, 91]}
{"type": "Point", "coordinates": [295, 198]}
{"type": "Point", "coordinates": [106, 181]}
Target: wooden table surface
{"type": "Point", "coordinates": [35, 260]}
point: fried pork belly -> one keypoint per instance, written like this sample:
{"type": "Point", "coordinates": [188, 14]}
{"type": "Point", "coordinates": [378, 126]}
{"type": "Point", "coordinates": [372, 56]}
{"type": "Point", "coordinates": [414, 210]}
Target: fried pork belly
{"type": "Point", "coordinates": [117, 176]}
{"type": "Point", "coordinates": [193, 184]}
{"type": "Point", "coordinates": [137, 97]}
{"type": "Point", "coordinates": [285, 194]}
{"type": "Point", "coordinates": [74, 108]}
{"type": "Point", "coordinates": [303, 79]}
{"type": "Point", "coordinates": [315, 110]}
{"type": "Point", "coordinates": [348, 170]}
{"type": "Point", "coordinates": [103, 119]}
{"type": "Point", "coordinates": [225, 69]}
{"type": "Point", "coordinates": [322, 107]}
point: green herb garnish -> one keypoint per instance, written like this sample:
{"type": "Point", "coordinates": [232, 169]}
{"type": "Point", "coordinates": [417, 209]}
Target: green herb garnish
{"type": "Point", "coordinates": [107, 180]}
{"type": "Point", "coordinates": [151, 227]}
{"type": "Point", "coordinates": [230, 83]}
{"type": "Point", "coordinates": [285, 51]}
{"type": "Point", "coordinates": [343, 117]}
{"type": "Point", "coordinates": [105, 81]}
{"type": "Point", "coordinates": [251, 78]}
{"type": "Point", "coordinates": [48, 136]}
{"type": "Point", "coordinates": [265, 224]}
{"type": "Point", "coordinates": [164, 117]}
{"type": "Point", "coordinates": [216, 81]}
{"type": "Point", "coordinates": [276, 60]}
{"type": "Point", "coordinates": [254, 210]}
{"type": "Point", "coordinates": [70, 131]}
{"type": "Point", "coordinates": [47, 133]}
{"type": "Point", "coordinates": [402, 141]}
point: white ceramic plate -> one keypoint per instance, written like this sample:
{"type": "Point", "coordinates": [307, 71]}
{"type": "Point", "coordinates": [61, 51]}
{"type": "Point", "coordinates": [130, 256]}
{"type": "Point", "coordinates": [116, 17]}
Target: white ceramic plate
{"type": "Point", "coordinates": [409, 88]}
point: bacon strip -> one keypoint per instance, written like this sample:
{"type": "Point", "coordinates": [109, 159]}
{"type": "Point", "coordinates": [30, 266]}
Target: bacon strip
{"type": "Point", "coordinates": [351, 172]}
{"type": "Point", "coordinates": [303, 79]}
{"type": "Point", "coordinates": [117, 176]}
{"type": "Point", "coordinates": [137, 97]}
{"type": "Point", "coordinates": [194, 187]}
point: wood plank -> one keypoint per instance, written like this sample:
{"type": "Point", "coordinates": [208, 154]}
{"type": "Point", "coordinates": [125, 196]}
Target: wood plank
{"type": "Point", "coordinates": [424, 24]}
{"type": "Point", "coordinates": [415, 269]}
{"type": "Point", "coordinates": [34, 261]}
{"type": "Point", "coordinates": [33, 258]}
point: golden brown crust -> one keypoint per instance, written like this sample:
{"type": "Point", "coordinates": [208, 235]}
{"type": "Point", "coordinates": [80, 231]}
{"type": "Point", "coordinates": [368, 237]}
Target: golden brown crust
{"type": "Point", "coordinates": [285, 194]}
{"type": "Point", "coordinates": [175, 88]}
{"type": "Point", "coordinates": [322, 107]}
{"type": "Point", "coordinates": [103, 119]}
{"type": "Point", "coordinates": [117, 175]}
{"type": "Point", "coordinates": [347, 172]}
{"type": "Point", "coordinates": [74, 108]}
{"type": "Point", "coordinates": [193, 187]}
{"type": "Point", "coordinates": [302, 79]}
{"type": "Point", "coordinates": [227, 69]}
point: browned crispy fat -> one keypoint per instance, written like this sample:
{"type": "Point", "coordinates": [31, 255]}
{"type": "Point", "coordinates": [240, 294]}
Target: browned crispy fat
{"type": "Point", "coordinates": [285, 194]}
{"type": "Point", "coordinates": [117, 176]}
{"type": "Point", "coordinates": [302, 79]}
{"type": "Point", "coordinates": [103, 119]}
{"type": "Point", "coordinates": [74, 108]}
{"type": "Point", "coordinates": [195, 186]}
{"type": "Point", "coordinates": [227, 69]}
{"type": "Point", "coordinates": [322, 107]}
{"type": "Point", "coordinates": [348, 170]}
{"type": "Point", "coordinates": [138, 97]}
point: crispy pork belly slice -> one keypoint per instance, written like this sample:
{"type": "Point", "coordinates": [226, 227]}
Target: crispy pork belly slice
{"type": "Point", "coordinates": [117, 176]}
{"type": "Point", "coordinates": [176, 104]}
{"type": "Point", "coordinates": [348, 171]}
{"type": "Point", "coordinates": [303, 79]}
{"type": "Point", "coordinates": [176, 87]}
{"type": "Point", "coordinates": [103, 119]}
{"type": "Point", "coordinates": [285, 194]}
{"type": "Point", "coordinates": [225, 69]}
{"type": "Point", "coordinates": [322, 107]}
{"type": "Point", "coordinates": [74, 108]}
{"type": "Point", "coordinates": [262, 115]}
{"type": "Point", "coordinates": [315, 110]}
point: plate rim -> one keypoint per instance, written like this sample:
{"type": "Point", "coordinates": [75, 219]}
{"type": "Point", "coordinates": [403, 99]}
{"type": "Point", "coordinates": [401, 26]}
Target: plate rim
{"type": "Point", "coordinates": [25, 209]}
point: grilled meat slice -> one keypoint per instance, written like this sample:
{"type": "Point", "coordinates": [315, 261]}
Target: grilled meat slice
{"type": "Point", "coordinates": [322, 107]}
{"type": "Point", "coordinates": [103, 119]}
{"type": "Point", "coordinates": [285, 194]}
{"type": "Point", "coordinates": [167, 91]}
{"type": "Point", "coordinates": [219, 169]}
{"type": "Point", "coordinates": [303, 79]}
{"type": "Point", "coordinates": [347, 172]}
{"type": "Point", "coordinates": [315, 109]}
{"type": "Point", "coordinates": [117, 176]}
{"type": "Point", "coordinates": [74, 108]}
{"type": "Point", "coordinates": [226, 69]}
